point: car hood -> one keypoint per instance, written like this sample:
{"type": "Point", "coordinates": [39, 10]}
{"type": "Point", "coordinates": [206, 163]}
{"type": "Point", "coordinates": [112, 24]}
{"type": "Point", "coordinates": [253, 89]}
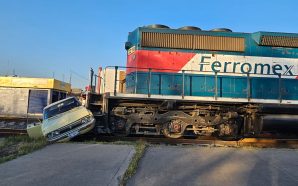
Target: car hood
{"type": "Point", "coordinates": [63, 119]}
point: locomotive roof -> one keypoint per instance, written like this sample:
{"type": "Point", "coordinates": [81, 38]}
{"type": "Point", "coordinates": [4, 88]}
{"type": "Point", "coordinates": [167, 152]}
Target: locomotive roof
{"type": "Point", "coordinates": [261, 43]}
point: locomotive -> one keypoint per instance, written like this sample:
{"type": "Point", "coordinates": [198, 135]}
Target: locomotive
{"type": "Point", "coordinates": [192, 82]}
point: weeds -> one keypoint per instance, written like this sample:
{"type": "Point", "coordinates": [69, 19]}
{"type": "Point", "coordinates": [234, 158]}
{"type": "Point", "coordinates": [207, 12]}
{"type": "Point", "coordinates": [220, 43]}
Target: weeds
{"type": "Point", "coordinates": [15, 146]}
{"type": "Point", "coordinates": [140, 148]}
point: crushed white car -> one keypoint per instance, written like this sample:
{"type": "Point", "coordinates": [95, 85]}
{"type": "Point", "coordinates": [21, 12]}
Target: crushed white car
{"type": "Point", "coordinates": [66, 119]}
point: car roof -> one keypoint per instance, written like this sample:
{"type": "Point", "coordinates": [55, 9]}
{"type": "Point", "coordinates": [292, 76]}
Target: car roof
{"type": "Point", "coordinates": [57, 102]}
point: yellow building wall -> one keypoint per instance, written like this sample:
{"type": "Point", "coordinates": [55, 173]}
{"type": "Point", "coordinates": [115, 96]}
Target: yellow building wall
{"type": "Point", "coordinates": [60, 85]}
{"type": "Point", "coordinates": [41, 83]}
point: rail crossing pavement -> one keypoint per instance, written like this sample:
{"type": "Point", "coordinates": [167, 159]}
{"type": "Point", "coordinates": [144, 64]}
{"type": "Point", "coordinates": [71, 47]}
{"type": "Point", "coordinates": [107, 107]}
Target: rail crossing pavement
{"type": "Point", "coordinates": [103, 164]}
{"type": "Point", "coordinates": [69, 164]}
{"type": "Point", "coordinates": [193, 165]}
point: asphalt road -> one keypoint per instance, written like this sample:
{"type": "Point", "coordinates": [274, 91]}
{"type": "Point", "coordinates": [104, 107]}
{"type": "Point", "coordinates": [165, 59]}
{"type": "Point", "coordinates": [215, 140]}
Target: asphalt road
{"type": "Point", "coordinates": [68, 164]}
{"type": "Point", "coordinates": [169, 165]}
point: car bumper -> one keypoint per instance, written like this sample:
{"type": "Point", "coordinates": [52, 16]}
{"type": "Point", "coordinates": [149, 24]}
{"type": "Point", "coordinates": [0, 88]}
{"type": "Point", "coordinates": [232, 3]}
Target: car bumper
{"type": "Point", "coordinates": [66, 136]}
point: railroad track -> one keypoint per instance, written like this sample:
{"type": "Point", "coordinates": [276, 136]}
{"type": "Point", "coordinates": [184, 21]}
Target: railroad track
{"type": "Point", "coordinates": [207, 141]}
{"type": "Point", "coordinates": [12, 132]}
{"type": "Point", "coordinates": [262, 142]}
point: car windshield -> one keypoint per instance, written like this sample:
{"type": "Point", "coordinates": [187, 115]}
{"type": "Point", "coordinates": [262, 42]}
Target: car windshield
{"type": "Point", "coordinates": [61, 107]}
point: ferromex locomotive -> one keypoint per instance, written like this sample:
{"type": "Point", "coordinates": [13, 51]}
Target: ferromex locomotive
{"type": "Point", "coordinates": [191, 82]}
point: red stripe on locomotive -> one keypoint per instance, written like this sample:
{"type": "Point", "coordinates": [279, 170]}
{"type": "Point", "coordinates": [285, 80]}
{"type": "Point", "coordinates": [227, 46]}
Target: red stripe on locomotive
{"type": "Point", "coordinates": [171, 61]}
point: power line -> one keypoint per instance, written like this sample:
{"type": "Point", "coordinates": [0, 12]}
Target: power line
{"type": "Point", "coordinates": [79, 75]}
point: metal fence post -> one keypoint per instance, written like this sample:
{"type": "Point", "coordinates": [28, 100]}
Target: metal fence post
{"type": "Point", "coordinates": [91, 79]}
{"type": "Point", "coordinates": [149, 82]}
{"type": "Point", "coordinates": [183, 83]}
{"type": "Point", "coordinates": [215, 93]}
{"type": "Point", "coordinates": [115, 82]}
{"type": "Point", "coordinates": [248, 87]}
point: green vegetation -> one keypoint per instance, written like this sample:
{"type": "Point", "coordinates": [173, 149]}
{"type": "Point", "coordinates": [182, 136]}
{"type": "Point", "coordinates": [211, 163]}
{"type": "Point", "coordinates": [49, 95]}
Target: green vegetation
{"type": "Point", "coordinates": [140, 147]}
{"type": "Point", "coordinates": [15, 146]}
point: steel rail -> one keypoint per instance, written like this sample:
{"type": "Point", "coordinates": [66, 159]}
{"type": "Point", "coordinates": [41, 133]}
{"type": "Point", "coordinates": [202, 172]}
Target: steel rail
{"type": "Point", "coordinates": [12, 132]}
{"type": "Point", "coordinates": [262, 142]}
{"type": "Point", "coordinates": [210, 141]}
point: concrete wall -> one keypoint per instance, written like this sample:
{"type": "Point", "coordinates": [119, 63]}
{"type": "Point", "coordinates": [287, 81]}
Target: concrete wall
{"type": "Point", "coordinates": [13, 101]}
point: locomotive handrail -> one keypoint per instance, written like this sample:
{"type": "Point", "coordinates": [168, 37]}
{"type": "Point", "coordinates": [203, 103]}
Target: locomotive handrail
{"type": "Point", "coordinates": [179, 70]}
{"type": "Point", "coordinates": [184, 72]}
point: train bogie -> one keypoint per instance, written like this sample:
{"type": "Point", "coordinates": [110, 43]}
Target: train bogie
{"type": "Point", "coordinates": [179, 118]}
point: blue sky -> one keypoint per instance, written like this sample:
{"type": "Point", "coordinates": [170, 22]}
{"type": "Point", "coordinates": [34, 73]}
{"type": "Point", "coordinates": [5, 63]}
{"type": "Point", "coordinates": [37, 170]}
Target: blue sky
{"type": "Point", "coordinates": [42, 38]}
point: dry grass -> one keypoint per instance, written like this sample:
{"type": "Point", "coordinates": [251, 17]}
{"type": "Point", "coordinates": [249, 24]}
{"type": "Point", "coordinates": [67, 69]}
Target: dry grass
{"type": "Point", "coordinates": [140, 148]}
{"type": "Point", "coordinates": [15, 146]}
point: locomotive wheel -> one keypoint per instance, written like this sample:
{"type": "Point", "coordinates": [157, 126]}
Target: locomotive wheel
{"type": "Point", "coordinates": [229, 130]}
{"type": "Point", "coordinates": [119, 127]}
{"type": "Point", "coordinates": [173, 129]}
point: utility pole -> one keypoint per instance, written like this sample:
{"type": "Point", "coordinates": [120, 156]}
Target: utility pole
{"type": "Point", "coordinates": [91, 79]}
{"type": "Point", "coordinates": [7, 72]}
{"type": "Point", "coordinates": [70, 77]}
